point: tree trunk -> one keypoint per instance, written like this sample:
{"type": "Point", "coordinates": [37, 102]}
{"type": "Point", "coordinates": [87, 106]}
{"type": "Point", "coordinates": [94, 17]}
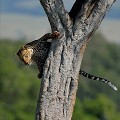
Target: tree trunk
{"type": "Point", "coordinates": [60, 79]}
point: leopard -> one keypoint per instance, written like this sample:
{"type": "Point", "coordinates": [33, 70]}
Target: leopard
{"type": "Point", "coordinates": [37, 51]}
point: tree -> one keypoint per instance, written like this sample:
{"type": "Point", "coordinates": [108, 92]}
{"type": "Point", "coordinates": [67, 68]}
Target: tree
{"type": "Point", "coordinates": [60, 79]}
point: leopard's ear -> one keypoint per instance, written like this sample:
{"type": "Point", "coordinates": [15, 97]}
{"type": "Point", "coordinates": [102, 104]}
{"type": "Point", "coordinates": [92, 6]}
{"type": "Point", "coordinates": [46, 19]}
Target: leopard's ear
{"type": "Point", "coordinates": [19, 51]}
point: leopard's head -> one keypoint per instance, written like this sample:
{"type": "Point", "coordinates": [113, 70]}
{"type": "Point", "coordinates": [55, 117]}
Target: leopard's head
{"type": "Point", "coordinates": [25, 55]}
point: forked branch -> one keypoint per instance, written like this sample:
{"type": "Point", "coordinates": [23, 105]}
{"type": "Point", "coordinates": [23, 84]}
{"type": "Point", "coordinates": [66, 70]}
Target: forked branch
{"type": "Point", "coordinates": [59, 82]}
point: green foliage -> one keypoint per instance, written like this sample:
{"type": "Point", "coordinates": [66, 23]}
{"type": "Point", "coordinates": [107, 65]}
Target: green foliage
{"type": "Point", "coordinates": [19, 85]}
{"type": "Point", "coordinates": [100, 108]}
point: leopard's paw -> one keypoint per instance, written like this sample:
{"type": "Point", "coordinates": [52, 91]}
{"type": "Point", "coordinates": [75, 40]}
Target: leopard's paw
{"type": "Point", "coordinates": [55, 34]}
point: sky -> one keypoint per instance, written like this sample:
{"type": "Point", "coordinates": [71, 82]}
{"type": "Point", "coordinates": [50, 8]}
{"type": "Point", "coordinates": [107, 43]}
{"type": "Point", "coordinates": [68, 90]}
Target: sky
{"type": "Point", "coordinates": [27, 19]}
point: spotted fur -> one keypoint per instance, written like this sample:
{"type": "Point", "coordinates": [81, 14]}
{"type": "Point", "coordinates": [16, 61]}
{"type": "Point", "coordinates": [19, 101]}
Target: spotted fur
{"type": "Point", "coordinates": [37, 51]}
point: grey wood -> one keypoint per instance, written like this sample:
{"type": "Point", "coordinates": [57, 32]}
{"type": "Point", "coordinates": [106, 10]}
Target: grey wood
{"type": "Point", "coordinates": [60, 79]}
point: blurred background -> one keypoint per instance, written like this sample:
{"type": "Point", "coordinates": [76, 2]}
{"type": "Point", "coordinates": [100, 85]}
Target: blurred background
{"type": "Point", "coordinates": [24, 20]}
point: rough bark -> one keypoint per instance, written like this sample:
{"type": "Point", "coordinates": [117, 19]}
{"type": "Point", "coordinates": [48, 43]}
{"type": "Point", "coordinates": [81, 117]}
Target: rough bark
{"type": "Point", "coordinates": [60, 79]}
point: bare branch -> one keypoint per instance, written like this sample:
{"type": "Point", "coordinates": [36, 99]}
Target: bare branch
{"type": "Point", "coordinates": [93, 15]}
{"type": "Point", "coordinates": [57, 15]}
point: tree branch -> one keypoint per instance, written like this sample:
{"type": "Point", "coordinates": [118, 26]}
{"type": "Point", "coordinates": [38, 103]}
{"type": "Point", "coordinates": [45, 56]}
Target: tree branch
{"type": "Point", "coordinates": [57, 15]}
{"type": "Point", "coordinates": [88, 22]}
{"type": "Point", "coordinates": [59, 82]}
